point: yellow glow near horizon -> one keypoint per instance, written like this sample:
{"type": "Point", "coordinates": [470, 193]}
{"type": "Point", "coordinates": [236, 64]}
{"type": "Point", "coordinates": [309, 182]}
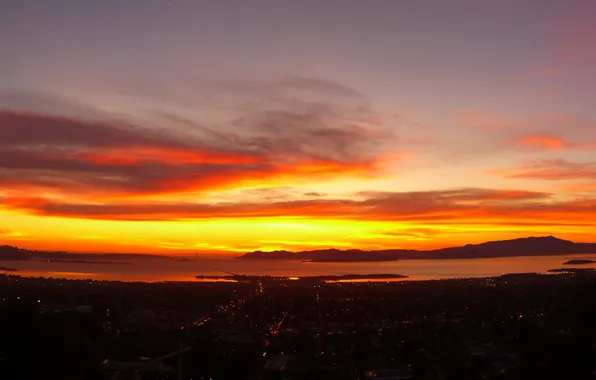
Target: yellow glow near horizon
{"type": "Point", "coordinates": [219, 236]}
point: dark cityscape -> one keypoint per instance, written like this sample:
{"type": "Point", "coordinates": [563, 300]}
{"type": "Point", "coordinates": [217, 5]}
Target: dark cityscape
{"type": "Point", "coordinates": [524, 326]}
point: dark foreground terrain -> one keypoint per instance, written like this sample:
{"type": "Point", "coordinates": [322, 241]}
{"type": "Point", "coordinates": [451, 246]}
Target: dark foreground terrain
{"type": "Point", "coordinates": [512, 327]}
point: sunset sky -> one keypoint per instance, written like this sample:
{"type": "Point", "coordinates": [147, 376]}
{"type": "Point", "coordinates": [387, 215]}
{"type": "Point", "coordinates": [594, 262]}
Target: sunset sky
{"type": "Point", "coordinates": [178, 126]}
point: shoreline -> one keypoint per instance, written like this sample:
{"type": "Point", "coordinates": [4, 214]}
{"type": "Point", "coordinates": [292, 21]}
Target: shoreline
{"type": "Point", "coordinates": [395, 278]}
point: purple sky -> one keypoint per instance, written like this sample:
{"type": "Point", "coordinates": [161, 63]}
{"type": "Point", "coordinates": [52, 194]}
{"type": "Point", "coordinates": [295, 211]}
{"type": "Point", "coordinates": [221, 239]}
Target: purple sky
{"type": "Point", "coordinates": [507, 56]}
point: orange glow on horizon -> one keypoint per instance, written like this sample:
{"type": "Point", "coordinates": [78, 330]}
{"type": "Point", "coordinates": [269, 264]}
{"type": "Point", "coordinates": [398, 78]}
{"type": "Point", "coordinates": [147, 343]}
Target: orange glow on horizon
{"type": "Point", "coordinates": [231, 236]}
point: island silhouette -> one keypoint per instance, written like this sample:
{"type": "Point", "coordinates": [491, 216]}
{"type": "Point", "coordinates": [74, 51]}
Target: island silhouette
{"type": "Point", "coordinates": [530, 246]}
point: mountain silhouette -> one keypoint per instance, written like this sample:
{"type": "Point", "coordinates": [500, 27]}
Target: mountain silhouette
{"type": "Point", "coordinates": [531, 246]}
{"type": "Point", "coordinates": [10, 253]}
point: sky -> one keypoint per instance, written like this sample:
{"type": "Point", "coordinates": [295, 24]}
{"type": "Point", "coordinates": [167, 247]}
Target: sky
{"type": "Point", "coordinates": [217, 127]}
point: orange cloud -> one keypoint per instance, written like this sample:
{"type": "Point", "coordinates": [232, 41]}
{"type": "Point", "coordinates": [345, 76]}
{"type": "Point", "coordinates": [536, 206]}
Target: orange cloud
{"type": "Point", "coordinates": [551, 141]}
{"type": "Point", "coordinates": [582, 187]}
{"type": "Point", "coordinates": [544, 141]}
{"type": "Point", "coordinates": [458, 204]}
{"type": "Point", "coordinates": [98, 159]}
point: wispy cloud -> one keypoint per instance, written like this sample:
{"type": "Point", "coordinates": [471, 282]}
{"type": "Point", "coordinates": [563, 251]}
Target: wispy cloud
{"type": "Point", "coordinates": [556, 169]}
{"type": "Point", "coordinates": [431, 205]}
{"type": "Point", "coordinates": [299, 136]}
{"type": "Point", "coordinates": [547, 122]}
{"type": "Point", "coordinates": [551, 141]}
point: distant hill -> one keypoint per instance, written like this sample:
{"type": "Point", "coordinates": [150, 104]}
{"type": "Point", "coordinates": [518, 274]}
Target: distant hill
{"type": "Point", "coordinates": [9, 253]}
{"type": "Point", "coordinates": [531, 246]}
